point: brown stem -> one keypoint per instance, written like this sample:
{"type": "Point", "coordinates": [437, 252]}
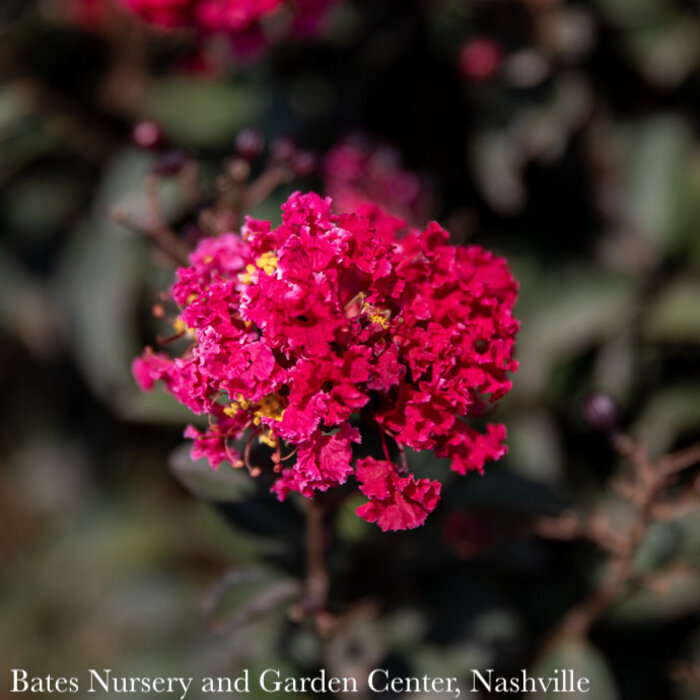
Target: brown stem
{"type": "Point", "coordinates": [162, 236]}
{"type": "Point", "coordinates": [678, 461]}
{"type": "Point", "coordinates": [650, 480]}
{"type": "Point", "coordinates": [317, 579]}
{"type": "Point", "coordinates": [266, 183]}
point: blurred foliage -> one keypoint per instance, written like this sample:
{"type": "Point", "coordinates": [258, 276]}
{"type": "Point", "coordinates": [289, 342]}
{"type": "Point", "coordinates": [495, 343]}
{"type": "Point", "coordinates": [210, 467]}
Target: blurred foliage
{"type": "Point", "coordinates": [577, 157]}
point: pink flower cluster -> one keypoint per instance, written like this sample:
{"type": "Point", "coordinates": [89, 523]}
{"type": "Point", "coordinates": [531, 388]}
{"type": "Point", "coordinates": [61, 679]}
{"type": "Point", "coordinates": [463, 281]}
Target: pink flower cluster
{"type": "Point", "coordinates": [227, 16]}
{"type": "Point", "coordinates": [89, 15]}
{"type": "Point", "coordinates": [359, 170]}
{"type": "Point", "coordinates": [303, 332]}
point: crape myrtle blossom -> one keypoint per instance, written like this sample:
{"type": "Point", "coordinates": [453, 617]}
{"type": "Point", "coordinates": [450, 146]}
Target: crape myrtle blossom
{"type": "Point", "coordinates": [229, 16]}
{"type": "Point", "coordinates": [300, 333]}
{"type": "Point", "coordinates": [359, 170]}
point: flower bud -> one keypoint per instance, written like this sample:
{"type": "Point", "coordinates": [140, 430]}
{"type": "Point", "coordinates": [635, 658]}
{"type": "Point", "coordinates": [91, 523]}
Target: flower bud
{"type": "Point", "coordinates": [479, 59]}
{"type": "Point", "coordinates": [282, 149]}
{"type": "Point", "coordinates": [170, 163]}
{"type": "Point", "coordinates": [303, 163]}
{"type": "Point", "coordinates": [249, 143]}
{"type": "Point", "coordinates": [600, 412]}
{"type": "Point", "coordinates": [147, 135]}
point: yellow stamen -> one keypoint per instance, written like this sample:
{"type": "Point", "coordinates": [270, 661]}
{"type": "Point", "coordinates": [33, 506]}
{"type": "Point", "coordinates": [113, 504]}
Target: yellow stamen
{"type": "Point", "coordinates": [267, 262]}
{"type": "Point", "coordinates": [182, 328]}
{"type": "Point", "coordinates": [270, 406]}
{"type": "Point", "coordinates": [247, 276]}
{"type": "Point", "coordinates": [267, 439]}
{"type": "Point", "coordinates": [232, 409]}
{"type": "Point", "coordinates": [379, 316]}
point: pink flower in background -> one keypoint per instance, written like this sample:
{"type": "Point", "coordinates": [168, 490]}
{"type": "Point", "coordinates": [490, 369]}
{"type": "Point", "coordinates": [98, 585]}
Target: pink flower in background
{"type": "Point", "coordinates": [479, 59]}
{"type": "Point", "coordinates": [300, 333]}
{"type": "Point", "coordinates": [359, 170]}
{"type": "Point", "coordinates": [241, 19]}
{"type": "Point", "coordinates": [165, 13]}
{"type": "Point", "coordinates": [89, 15]}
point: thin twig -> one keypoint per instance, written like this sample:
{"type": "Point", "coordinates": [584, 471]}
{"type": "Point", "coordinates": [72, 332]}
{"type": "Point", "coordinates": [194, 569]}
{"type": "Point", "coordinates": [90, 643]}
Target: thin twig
{"type": "Point", "coordinates": [650, 480]}
{"type": "Point", "coordinates": [317, 580]}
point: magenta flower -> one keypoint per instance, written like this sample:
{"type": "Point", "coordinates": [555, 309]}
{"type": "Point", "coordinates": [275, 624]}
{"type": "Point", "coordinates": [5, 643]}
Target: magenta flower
{"type": "Point", "coordinates": [233, 17]}
{"type": "Point", "coordinates": [300, 334]}
{"type": "Point", "coordinates": [360, 170]}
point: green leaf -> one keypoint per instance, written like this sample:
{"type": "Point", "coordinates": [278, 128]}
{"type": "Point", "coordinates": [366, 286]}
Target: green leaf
{"type": "Point", "coordinates": [656, 154]}
{"type": "Point", "coordinates": [242, 596]}
{"type": "Point", "coordinates": [26, 310]}
{"type": "Point", "coordinates": [201, 114]}
{"type": "Point", "coordinates": [13, 106]}
{"type": "Point", "coordinates": [666, 52]}
{"type": "Point", "coordinates": [100, 277]}
{"type": "Point", "coordinates": [568, 314]}
{"type": "Point", "coordinates": [98, 283]}
{"type": "Point", "coordinates": [224, 484]}
{"type": "Point", "coordinates": [585, 661]}
{"type": "Point", "coordinates": [535, 447]}
{"type": "Point", "coordinates": [680, 597]}
{"type": "Point", "coordinates": [674, 316]}
{"type": "Point", "coordinates": [670, 413]}
{"type": "Point", "coordinates": [632, 13]}
{"type": "Point", "coordinates": [59, 197]}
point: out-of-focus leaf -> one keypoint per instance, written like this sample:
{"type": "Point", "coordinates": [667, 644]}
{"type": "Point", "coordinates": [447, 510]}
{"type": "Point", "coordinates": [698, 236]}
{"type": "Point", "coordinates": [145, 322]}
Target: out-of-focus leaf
{"type": "Point", "coordinates": [535, 449]}
{"type": "Point", "coordinates": [27, 141]}
{"type": "Point", "coordinates": [365, 638]}
{"type": "Point", "coordinates": [681, 597]}
{"type": "Point", "coordinates": [668, 414]}
{"type": "Point", "coordinates": [13, 106]}
{"type": "Point", "coordinates": [667, 561]}
{"type": "Point", "coordinates": [241, 596]}
{"type": "Point", "coordinates": [675, 315]}
{"type": "Point", "coordinates": [657, 162]}
{"type": "Point", "coordinates": [659, 546]}
{"type": "Point", "coordinates": [26, 310]}
{"type": "Point", "coordinates": [235, 543]}
{"type": "Point", "coordinates": [570, 313]}
{"type": "Point", "coordinates": [585, 661]}
{"type": "Point", "coordinates": [632, 13]}
{"type": "Point", "coordinates": [98, 283]}
{"type": "Point", "coordinates": [614, 367]}
{"type": "Point", "coordinates": [224, 484]}
{"type": "Point", "coordinates": [203, 114]}
{"type": "Point", "coordinates": [348, 525]}
{"type": "Point", "coordinates": [99, 279]}
{"type": "Point", "coordinates": [497, 165]}
{"type": "Point", "coordinates": [666, 52]}
{"type": "Point", "coordinates": [58, 195]}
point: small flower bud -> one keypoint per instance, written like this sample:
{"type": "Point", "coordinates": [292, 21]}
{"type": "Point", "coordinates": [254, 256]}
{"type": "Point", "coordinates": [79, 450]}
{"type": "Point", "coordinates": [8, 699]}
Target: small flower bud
{"type": "Point", "coordinates": [249, 143]}
{"type": "Point", "coordinates": [600, 412]}
{"type": "Point", "coordinates": [303, 163]}
{"type": "Point", "coordinates": [282, 149]}
{"type": "Point", "coordinates": [147, 135]}
{"type": "Point", "coordinates": [479, 59]}
{"type": "Point", "coordinates": [170, 163]}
